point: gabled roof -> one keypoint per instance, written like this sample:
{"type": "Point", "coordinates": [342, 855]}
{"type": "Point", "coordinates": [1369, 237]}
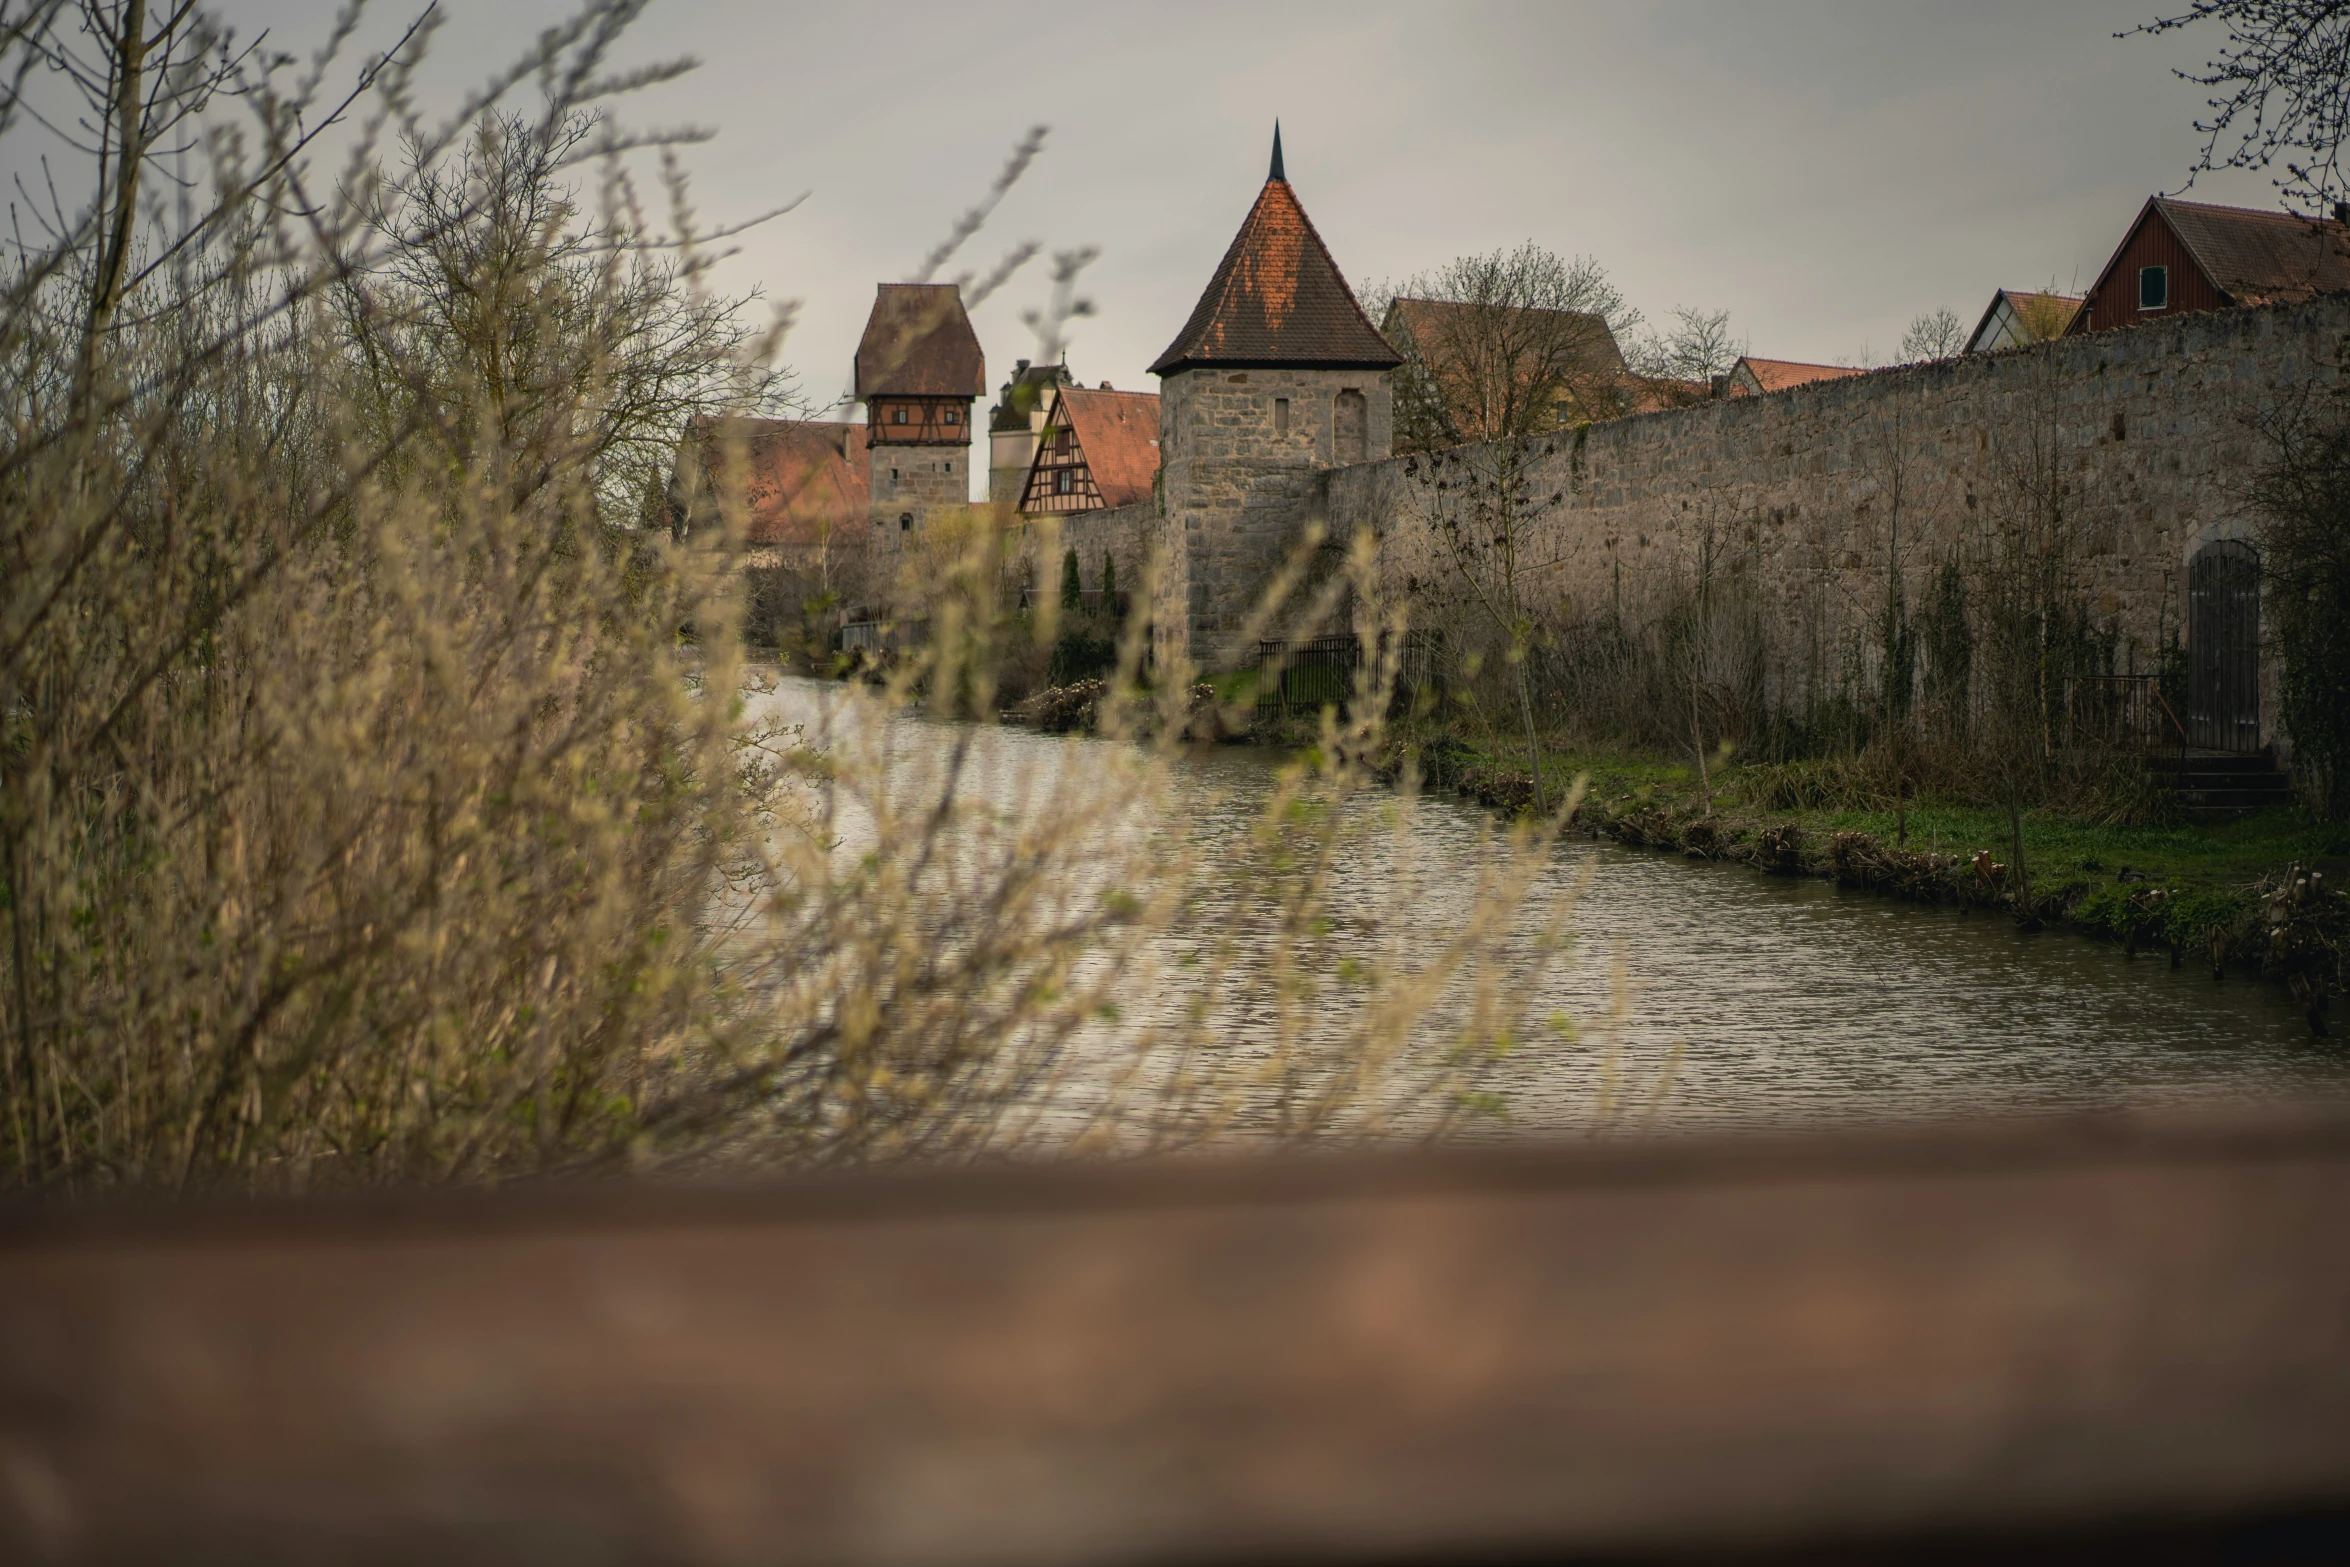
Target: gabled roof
{"type": "Point", "coordinates": [1117, 433]}
{"type": "Point", "coordinates": [1776, 375]}
{"type": "Point", "coordinates": [919, 343]}
{"type": "Point", "coordinates": [2253, 257]}
{"type": "Point", "coordinates": [2026, 304]}
{"type": "Point", "coordinates": [1277, 299]}
{"type": "Point", "coordinates": [802, 479]}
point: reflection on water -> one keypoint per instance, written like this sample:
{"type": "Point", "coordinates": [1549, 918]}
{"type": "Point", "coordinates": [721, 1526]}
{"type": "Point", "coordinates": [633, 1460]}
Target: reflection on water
{"type": "Point", "coordinates": [1796, 1000]}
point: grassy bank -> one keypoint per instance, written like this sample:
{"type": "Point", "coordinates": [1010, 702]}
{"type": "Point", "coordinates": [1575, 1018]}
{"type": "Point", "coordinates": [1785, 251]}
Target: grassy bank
{"type": "Point", "coordinates": [2260, 892]}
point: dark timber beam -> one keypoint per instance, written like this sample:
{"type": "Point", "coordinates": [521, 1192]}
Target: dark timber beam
{"type": "Point", "coordinates": [2120, 1339]}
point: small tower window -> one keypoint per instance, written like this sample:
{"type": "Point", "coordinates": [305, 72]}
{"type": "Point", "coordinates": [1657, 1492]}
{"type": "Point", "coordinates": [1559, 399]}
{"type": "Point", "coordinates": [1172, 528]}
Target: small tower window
{"type": "Point", "coordinates": [905, 522]}
{"type": "Point", "coordinates": [1280, 416]}
{"type": "Point", "coordinates": [2153, 287]}
{"type": "Point", "coordinates": [897, 416]}
{"type": "Point", "coordinates": [954, 416]}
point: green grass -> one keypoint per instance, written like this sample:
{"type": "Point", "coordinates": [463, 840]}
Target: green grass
{"type": "Point", "coordinates": [2207, 871]}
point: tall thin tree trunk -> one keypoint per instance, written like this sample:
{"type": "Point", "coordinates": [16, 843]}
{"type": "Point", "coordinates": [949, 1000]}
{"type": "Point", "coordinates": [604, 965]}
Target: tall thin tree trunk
{"type": "Point", "coordinates": [1533, 740]}
{"type": "Point", "coordinates": [1697, 743]}
{"type": "Point", "coordinates": [2015, 835]}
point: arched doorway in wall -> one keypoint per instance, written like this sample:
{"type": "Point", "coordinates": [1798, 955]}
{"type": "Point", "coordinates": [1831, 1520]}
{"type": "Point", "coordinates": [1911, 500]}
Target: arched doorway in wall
{"type": "Point", "coordinates": [2223, 647]}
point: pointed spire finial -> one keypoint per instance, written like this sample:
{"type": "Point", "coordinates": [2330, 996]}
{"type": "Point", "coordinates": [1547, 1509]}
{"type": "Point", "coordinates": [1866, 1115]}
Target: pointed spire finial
{"type": "Point", "coordinates": [1276, 174]}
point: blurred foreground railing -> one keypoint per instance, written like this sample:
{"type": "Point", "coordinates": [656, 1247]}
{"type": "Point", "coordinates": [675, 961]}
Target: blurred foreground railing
{"type": "Point", "coordinates": [2118, 1340]}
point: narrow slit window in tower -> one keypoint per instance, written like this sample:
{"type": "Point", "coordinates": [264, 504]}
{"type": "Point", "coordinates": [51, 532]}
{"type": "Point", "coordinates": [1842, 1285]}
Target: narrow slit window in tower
{"type": "Point", "coordinates": [1280, 416]}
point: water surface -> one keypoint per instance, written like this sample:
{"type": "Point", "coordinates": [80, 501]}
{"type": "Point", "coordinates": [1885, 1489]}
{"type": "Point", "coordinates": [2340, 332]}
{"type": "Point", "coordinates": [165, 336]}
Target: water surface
{"type": "Point", "coordinates": [1787, 1000]}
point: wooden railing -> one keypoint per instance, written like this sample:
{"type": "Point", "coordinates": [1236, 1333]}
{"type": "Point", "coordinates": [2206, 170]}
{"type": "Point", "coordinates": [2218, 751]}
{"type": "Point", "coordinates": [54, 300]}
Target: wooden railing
{"type": "Point", "coordinates": [2112, 1340]}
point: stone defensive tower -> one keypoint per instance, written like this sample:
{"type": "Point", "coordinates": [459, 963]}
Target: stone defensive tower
{"type": "Point", "coordinates": [1277, 375]}
{"type": "Point", "coordinates": [919, 369]}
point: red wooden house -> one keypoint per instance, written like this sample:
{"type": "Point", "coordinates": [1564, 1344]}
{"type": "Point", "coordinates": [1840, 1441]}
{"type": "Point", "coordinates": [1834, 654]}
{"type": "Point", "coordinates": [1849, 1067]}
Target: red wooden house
{"type": "Point", "coordinates": [2182, 256]}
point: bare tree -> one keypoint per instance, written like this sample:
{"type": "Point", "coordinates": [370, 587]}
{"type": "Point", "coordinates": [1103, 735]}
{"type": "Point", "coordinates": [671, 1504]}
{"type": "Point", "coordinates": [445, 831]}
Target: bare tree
{"type": "Point", "coordinates": [1699, 347]}
{"type": "Point", "coordinates": [1936, 335]}
{"type": "Point", "coordinates": [1484, 503]}
{"type": "Point", "coordinates": [1504, 346]}
{"type": "Point", "coordinates": [2280, 89]}
{"type": "Point", "coordinates": [496, 284]}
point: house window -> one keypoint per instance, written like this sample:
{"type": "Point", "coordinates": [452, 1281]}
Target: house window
{"type": "Point", "coordinates": [1280, 416]}
{"type": "Point", "coordinates": [897, 416]}
{"type": "Point", "coordinates": [1061, 482]}
{"type": "Point", "coordinates": [2153, 287]}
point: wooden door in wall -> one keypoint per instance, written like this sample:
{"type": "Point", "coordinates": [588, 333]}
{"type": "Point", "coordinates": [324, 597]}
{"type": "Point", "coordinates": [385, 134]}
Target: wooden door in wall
{"type": "Point", "coordinates": [1350, 419]}
{"type": "Point", "coordinates": [2223, 647]}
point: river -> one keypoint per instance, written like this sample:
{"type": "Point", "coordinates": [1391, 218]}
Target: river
{"type": "Point", "coordinates": [1776, 1000]}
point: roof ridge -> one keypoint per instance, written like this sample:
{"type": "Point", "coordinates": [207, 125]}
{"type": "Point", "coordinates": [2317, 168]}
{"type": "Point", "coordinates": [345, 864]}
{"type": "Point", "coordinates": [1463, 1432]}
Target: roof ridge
{"type": "Point", "coordinates": [2246, 212]}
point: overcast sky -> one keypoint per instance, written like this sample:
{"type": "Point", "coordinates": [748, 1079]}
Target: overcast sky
{"type": "Point", "coordinates": [1824, 171]}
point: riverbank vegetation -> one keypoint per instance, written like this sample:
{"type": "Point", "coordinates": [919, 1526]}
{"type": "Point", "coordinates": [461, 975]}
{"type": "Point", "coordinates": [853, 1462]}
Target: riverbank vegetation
{"type": "Point", "coordinates": [385, 800]}
{"type": "Point", "coordinates": [2263, 892]}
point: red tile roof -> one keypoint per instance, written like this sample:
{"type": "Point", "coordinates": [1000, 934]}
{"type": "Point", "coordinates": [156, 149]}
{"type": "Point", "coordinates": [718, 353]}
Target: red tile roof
{"type": "Point", "coordinates": [1776, 375]}
{"type": "Point", "coordinates": [1118, 435]}
{"type": "Point", "coordinates": [1277, 299]}
{"type": "Point", "coordinates": [803, 479]}
{"type": "Point", "coordinates": [918, 343]}
{"type": "Point", "coordinates": [2260, 258]}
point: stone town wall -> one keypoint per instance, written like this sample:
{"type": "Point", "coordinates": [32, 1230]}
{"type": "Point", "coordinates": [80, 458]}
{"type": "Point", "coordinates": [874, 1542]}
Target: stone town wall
{"type": "Point", "coordinates": [1235, 487]}
{"type": "Point", "coordinates": [1120, 532]}
{"type": "Point", "coordinates": [1125, 532]}
{"type": "Point", "coordinates": [1820, 493]}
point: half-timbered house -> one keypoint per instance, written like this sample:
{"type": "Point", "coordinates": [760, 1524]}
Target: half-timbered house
{"type": "Point", "coordinates": [1099, 449]}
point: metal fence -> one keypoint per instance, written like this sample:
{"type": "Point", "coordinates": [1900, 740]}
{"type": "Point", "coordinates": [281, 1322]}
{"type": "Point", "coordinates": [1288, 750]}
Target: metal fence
{"type": "Point", "coordinates": [1320, 671]}
{"type": "Point", "coordinates": [2122, 713]}
{"type": "Point", "coordinates": [883, 636]}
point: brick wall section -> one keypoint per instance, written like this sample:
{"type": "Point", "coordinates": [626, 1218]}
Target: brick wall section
{"type": "Point", "coordinates": [2149, 429]}
{"type": "Point", "coordinates": [1237, 493]}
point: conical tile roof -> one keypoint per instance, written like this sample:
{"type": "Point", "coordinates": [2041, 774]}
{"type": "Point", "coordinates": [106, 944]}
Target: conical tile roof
{"type": "Point", "coordinates": [1277, 300]}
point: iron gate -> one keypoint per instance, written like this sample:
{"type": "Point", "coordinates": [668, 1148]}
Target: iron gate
{"type": "Point", "coordinates": [2223, 647]}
